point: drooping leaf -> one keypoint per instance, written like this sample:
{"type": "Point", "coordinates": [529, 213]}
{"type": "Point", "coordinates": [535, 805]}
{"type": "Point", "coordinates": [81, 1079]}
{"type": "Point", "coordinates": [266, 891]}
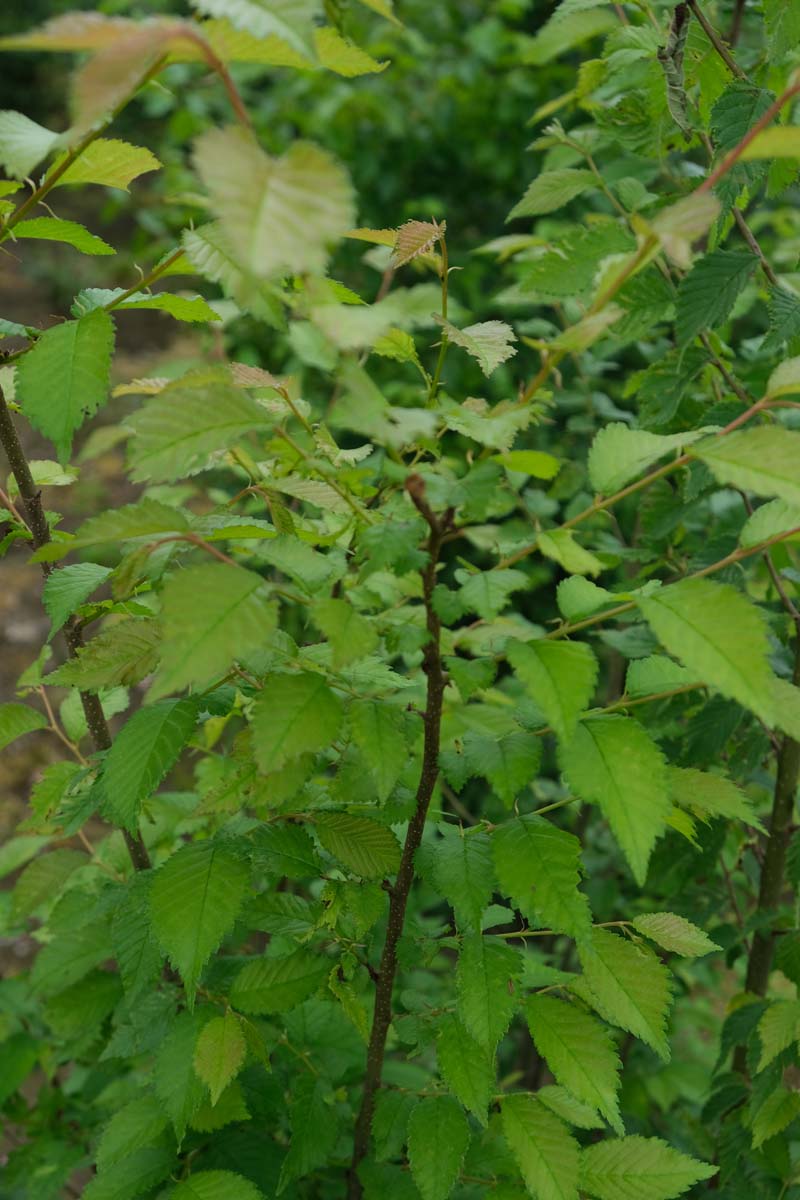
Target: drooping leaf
{"type": "Point", "coordinates": [560, 676]}
{"type": "Point", "coordinates": [219, 1053]}
{"type": "Point", "coordinates": [612, 762]}
{"type": "Point", "coordinates": [543, 1148]}
{"type": "Point", "coordinates": [378, 731]}
{"type": "Point", "coordinates": [485, 982]}
{"type": "Point", "coordinates": [369, 849]}
{"type": "Point", "coordinates": [710, 795]}
{"type": "Point", "coordinates": [194, 901]}
{"type": "Point", "coordinates": [675, 933]}
{"type": "Point", "coordinates": [779, 1109]}
{"type": "Point", "coordinates": [289, 21]}
{"type": "Point", "coordinates": [628, 986]}
{"type": "Point", "coordinates": [294, 715]}
{"type": "Point", "coordinates": [135, 946]}
{"type": "Point", "coordinates": [538, 868]}
{"type": "Point", "coordinates": [271, 985]}
{"type": "Point", "coordinates": [561, 546]}
{"type": "Point", "coordinates": [124, 653]}
{"type": "Point", "coordinates": [64, 377]}
{"type": "Point", "coordinates": [463, 873]}
{"type": "Point", "coordinates": [43, 878]}
{"type": "Point", "coordinates": [178, 1088]}
{"type": "Point", "coordinates": [18, 719]}
{"type": "Point", "coordinates": [466, 1067]}
{"type": "Point", "coordinates": [579, 1051]}
{"type": "Point", "coordinates": [638, 1168]}
{"type": "Point", "coordinates": [784, 318]}
{"type": "Point", "coordinates": [147, 518]}
{"type": "Point", "coordinates": [141, 754]}
{"type": "Point", "coordinates": [438, 1136]}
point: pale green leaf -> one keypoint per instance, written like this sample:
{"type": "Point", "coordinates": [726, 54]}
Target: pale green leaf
{"type": "Point", "coordinates": [54, 229]}
{"type": "Point", "coordinates": [488, 342]}
{"type": "Point", "coordinates": [613, 762]}
{"type": "Point", "coordinates": [194, 901]}
{"type": "Point", "coordinates": [290, 21]}
{"type": "Point", "coordinates": [271, 985]}
{"type": "Point", "coordinates": [23, 143]}
{"type": "Point", "coordinates": [68, 588]}
{"type": "Point", "coordinates": [466, 1067]}
{"type": "Point", "coordinates": [552, 190]}
{"type": "Point", "coordinates": [785, 379]}
{"type": "Point", "coordinates": [680, 225]}
{"type": "Point", "coordinates": [343, 56]}
{"type": "Point", "coordinates": [463, 874]}
{"type": "Point", "coordinates": [216, 1185]}
{"type": "Point", "coordinates": [350, 635]}
{"type": "Point", "coordinates": [620, 454]}
{"type": "Point", "coordinates": [570, 1110]}
{"type": "Point", "coordinates": [538, 868]}
{"type": "Point", "coordinates": [219, 1053]}
{"type": "Point", "coordinates": [781, 141]}
{"type": "Point", "coordinates": [638, 1168]}
{"type": "Point", "coordinates": [367, 848]}
{"type": "Point", "coordinates": [18, 719]}
{"type": "Point", "coordinates": [560, 545]}
{"type": "Point", "coordinates": [579, 1051]}
{"type": "Point", "coordinates": [543, 1148]}
{"type": "Point", "coordinates": [182, 308]}
{"type": "Point", "coordinates": [485, 983]}
{"type": "Point", "coordinates": [770, 519]}
{"type": "Point", "coordinates": [719, 636]}
{"type": "Point", "coordinates": [560, 676]}
{"type": "Point", "coordinates": [530, 462]}
{"type": "Point", "coordinates": [628, 986]}
{"type": "Point", "coordinates": [710, 795]}
{"type": "Point", "coordinates": [578, 598]}
{"type": "Point", "coordinates": [64, 377]}
{"type": "Point", "coordinates": [278, 214]}
{"type": "Point", "coordinates": [109, 162]}
{"type": "Point", "coordinates": [146, 519]}
{"type": "Point", "coordinates": [211, 614]}
{"type": "Point", "coordinates": [146, 747]}
{"type": "Point", "coordinates": [762, 460]}
{"type": "Point", "coordinates": [778, 1029]}
{"type": "Point", "coordinates": [656, 673]}
{"type": "Point", "coordinates": [438, 1136]}
{"type": "Point", "coordinates": [675, 933]}
{"type": "Point", "coordinates": [294, 715]}
{"type": "Point", "coordinates": [779, 1109]}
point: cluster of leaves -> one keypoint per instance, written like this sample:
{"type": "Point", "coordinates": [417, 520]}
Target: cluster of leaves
{"type": "Point", "coordinates": [420, 864]}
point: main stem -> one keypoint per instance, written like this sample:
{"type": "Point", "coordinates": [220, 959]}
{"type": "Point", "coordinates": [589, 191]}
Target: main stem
{"type": "Point", "coordinates": [399, 892]}
{"type": "Point", "coordinates": [40, 534]}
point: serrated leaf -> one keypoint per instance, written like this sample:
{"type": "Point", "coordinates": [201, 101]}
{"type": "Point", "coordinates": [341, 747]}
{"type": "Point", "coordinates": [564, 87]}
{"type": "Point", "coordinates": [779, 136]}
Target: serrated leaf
{"type": "Point", "coordinates": [147, 518]}
{"type": "Point", "coordinates": [438, 1136]}
{"type": "Point", "coordinates": [294, 715]}
{"type": "Point", "coordinates": [143, 751]}
{"type": "Point", "coordinates": [578, 598]}
{"type": "Point", "coordinates": [314, 1130]}
{"type": "Point", "coordinates": [135, 948]}
{"type": "Point", "coordinates": [290, 21]}
{"type": "Point", "coordinates": [43, 879]}
{"type": "Point", "coordinates": [488, 342]}
{"type": "Point", "coordinates": [278, 214]}
{"type": "Point", "coordinates": [194, 901]}
{"type": "Point", "coordinates": [509, 762]}
{"type": "Point", "coordinates": [675, 933]}
{"type": "Point", "coordinates": [219, 1053]}
{"type": "Point", "coordinates": [655, 673]}
{"type": "Point", "coordinates": [415, 238]}
{"type": "Point", "coordinates": [638, 1168]}
{"type": "Point", "coordinates": [179, 1090]}
{"type": "Point", "coordinates": [777, 1112]}
{"type": "Point", "coordinates": [17, 720]}
{"type": "Point", "coordinates": [177, 431]}
{"type": "Point", "coordinates": [485, 986]}
{"type": "Point", "coordinates": [784, 318]}
{"type": "Point", "coordinates": [182, 308]}
{"type": "Point", "coordinates": [343, 56]}
{"type": "Point", "coordinates": [579, 1051]}
{"type": "Point", "coordinates": [466, 1067]}
{"type": "Point", "coordinates": [135, 1125]}
{"type": "Point", "coordinates": [216, 1185]}
{"type": "Point", "coordinates": [463, 873]}
{"type": "Point", "coordinates": [134, 1175]}
{"type": "Point", "coordinates": [367, 848]}
{"type": "Point", "coordinates": [23, 143]}
{"type": "Point", "coordinates": [680, 225]}
{"type": "Point", "coordinates": [628, 986]}
{"type": "Point", "coordinates": [54, 229]}
{"type": "Point", "coordinates": [570, 1110]}
{"type": "Point", "coordinates": [778, 1029]}
{"type": "Point", "coordinates": [68, 588]}
{"type": "Point", "coordinates": [552, 190]}
{"type": "Point", "coordinates": [718, 635]}
{"type": "Point", "coordinates": [711, 795]}
{"type": "Point", "coordinates": [538, 868]}
{"type": "Point", "coordinates": [560, 676]}
{"type": "Point", "coordinates": [774, 517]}
{"type": "Point", "coordinates": [612, 762]}
{"type": "Point", "coordinates": [351, 636]}
{"type": "Point", "coordinates": [379, 732]}
{"type": "Point", "coordinates": [392, 1109]}
{"type": "Point", "coordinates": [762, 460]}
{"type": "Point", "coordinates": [63, 379]}
{"type": "Point", "coordinates": [108, 162]}
{"type": "Point", "coordinates": [619, 454]}
{"type": "Point", "coordinates": [124, 653]}
{"type": "Point", "coordinates": [272, 985]}
{"type": "Point", "coordinates": [286, 849]}
{"type": "Point", "coordinates": [708, 292]}
{"type": "Point", "coordinates": [543, 1148]}
{"type": "Point", "coordinates": [211, 614]}
{"type": "Point", "coordinates": [561, 546]}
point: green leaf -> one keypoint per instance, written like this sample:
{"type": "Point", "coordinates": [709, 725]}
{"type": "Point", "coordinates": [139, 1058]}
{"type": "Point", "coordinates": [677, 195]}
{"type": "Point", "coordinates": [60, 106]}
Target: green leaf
{"type": "Point", "coordinates": [392, 1109]}
{"type": "Point", "coordinates": [135, 947]}
{"type": "Point", "coordinates": [194, 901]}
{"type": "Point", "coordinates": [463, 874]}
{"type": "Point", "coordinates": [707, 294]}
{"type": "Point", "coordinates": [290, 21]}
{"type": "Point", "coordinates": [719, 636]}
{"type": "Point", "coordinates": [140, 756]}
{"type": "Point", "coordinates": [294, 715]}
{"type": "Point", "coordinates": [578, 598]}
{"type": "Point", "coordinates": [68, 588]}
{"type": "Point", "coordinates": [543, 1148]}
{"type": "Point", "coordinates": [135, 1125]}
{"type": "Point", "coordinates": [220, 1053]}
{"type": "Point", "coordinates": [109, 162]}
{"type": "Point", "coordinates": [579, 1051]}
{"type": "Point", "coordinates": [620, 454]}
{"type": "Point", "coordinates": [182, 308]}
{"type": "Point", "coordinates": [510, 762]}
{"type": "Point", "coordinates": [529, 462]}
{"type": "Point", "coordinates": [18, 719]}
{"type": "Point", "coordinates": [784, 318]}
{"type": "Point", "coordinates": [179, 1090]}
{"type": "Point", "coordinates": [314, 1130]}
{"type": "Point", "coordinates": [466, 1067]}
{"type": "Point", "coordinates": [272, 985]}
{"type": "Point", "coordinates": [351, 636]}
{"type": "Point", "coordinates": [178, 431]}
{"type": "Point", "coordinates": [613, 762]}
{"type": "Point", "coordinates": [638, 1168]}
{"type": "Point", "coordinates": [134, 1175]}
{"type": "Point", "coordinates": [23, 143]}
{"type": "Point", "coordinates": [43, 879]}
{"type": "Point", "coordinates": [367, 848]}
{"type": "Point", "coordinates": [343, 56]}
{"type": "Point", "coordinates": [538, 868]}
{"type": "Point", "coordinates": [438, 1136]}
{"type": "Point", "coordinates": [560, 545]}
{"type": "Point", "coordinates": [709, 795]}
{"type": "Point", "coordinates": [279, 214]}
{"type": "Point", "coordinates": [53, 229]}
{"type": "Point", "coordinates": [656, 673]}
{"type": "Point", "coordinates": [552, 190]}
{"type": "Point", "coordinates": [63, 379]}
{"type": "Point", "coordinates": [560, 676]}
{"type": "Point", "coordinates": [379, 732]}
{"type": "Point", "coordinates": [774, 517]}
{"type": "Point", "coordinates": [287, 850]}
{"type": "Point", "coordinates": [148, 518]}
{"type": "Point", "coordinates": [762, 460]}
{"type": "Point", "coordinates": [211, 615]}
{"type": "Point", "coordinates": [123, 654]}
{"type": "Point", "coordinates": [778, 1029]}
{"type": "Point", "coordinates": [628, 986]}
{"type": "Point", "coordinates": [488, 342]}
{"type": "Point", "coordinates": [675, 933]}
{"type": "Point", "coordinates": [487, 592]}
{"type": "Point", "coordinates": [782, 20]}
{"type": "Point", "coordinates": [777, 1112]}
{"type": "Point", "coordinates": [69, 957]}
{"type": "Point", "coordinates": [487, 971]}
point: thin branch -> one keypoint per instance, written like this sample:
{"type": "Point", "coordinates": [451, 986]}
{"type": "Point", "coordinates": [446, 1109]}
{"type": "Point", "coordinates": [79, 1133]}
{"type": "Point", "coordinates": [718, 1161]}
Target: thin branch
{"type": "Point", "coordinates": [716, 41]}
{"type": "Point", "coordinates": [738, 150]}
